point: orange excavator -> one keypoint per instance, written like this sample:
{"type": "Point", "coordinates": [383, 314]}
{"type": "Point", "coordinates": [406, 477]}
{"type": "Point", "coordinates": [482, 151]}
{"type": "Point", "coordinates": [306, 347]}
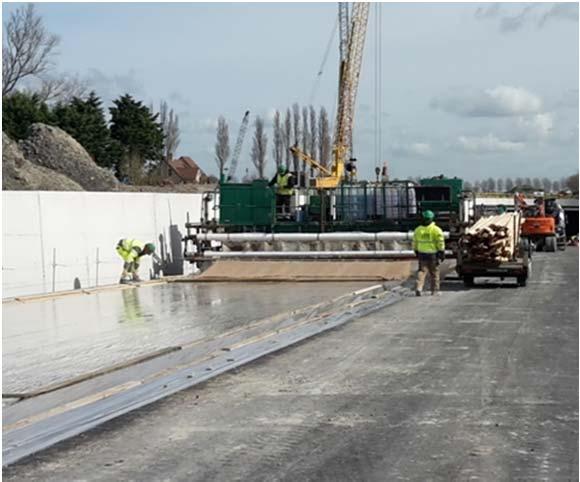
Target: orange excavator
{"type": "Point", "coordinates": [544, 223]}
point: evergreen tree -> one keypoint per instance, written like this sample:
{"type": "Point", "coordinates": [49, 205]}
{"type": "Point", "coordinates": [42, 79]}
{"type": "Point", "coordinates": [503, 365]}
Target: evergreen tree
{"type": "Point", "coordinates": [20, 110]}
{"type": "Point", "coordinates": [140, 135]}
{"type": "Point", "coordinates": [85, 121]}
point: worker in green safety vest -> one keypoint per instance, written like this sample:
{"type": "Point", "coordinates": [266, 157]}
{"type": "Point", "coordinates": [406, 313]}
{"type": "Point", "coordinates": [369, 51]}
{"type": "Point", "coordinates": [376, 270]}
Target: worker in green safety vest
{"type": "Point", "coordinates": [131, 251]}
{"type": "Point", "coordinates": [284, 183]}
{"type": "Point", "coordinates": [429, 246]}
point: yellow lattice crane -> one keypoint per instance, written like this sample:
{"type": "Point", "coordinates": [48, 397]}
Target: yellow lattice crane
{"type": "Point", "coordinates": [352, 39]}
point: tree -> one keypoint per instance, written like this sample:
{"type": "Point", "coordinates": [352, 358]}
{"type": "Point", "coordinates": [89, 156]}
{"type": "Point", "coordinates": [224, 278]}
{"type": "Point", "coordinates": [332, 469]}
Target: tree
{"type": "Point", "coordinates": [468, 186]}
{"type": "Point", "coordinates": [323, 138]}
{"type": "Point", "coordinates": [259, 148]}
{"type": "Point", "coordinates": [171, 135]}
{"type": "Point", "coordinates": [572, 182]}
{"type": "Point", "coordinates": [20, 110]}
{"type": "Point", "coordinates": [546, 184]}
{"type": "Point", "coordinates": [28, 48]}
{"type": "Point", "coordinates": [140, 135]}
{"type": "Point", "coordinates": [287, 136]}
{"type": "Point", "coordinates": [509, 184]}
{"type": "Point", "coordinates": [85, 121]}
{"type": "Point", "coordinates": [499, 184]}
{"type": "Point", "coordinates": [278, 147]}
{"type": "Point", "coordinates": [305, 136]}
{"type": "Point", "coordinates": [296, 132]}
{"type": "Point", "coordinates": [222, 145]}
{"type": "Point", "coordinates": [313, 133]}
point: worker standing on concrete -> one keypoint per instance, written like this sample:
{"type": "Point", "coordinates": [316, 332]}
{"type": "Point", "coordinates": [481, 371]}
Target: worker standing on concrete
{"type": "Point", "coordinates": [284, 189]}
{"type": "Point", "coordinates": [429, 246]}
{"type": "Point", "coordinates": [131, 251]}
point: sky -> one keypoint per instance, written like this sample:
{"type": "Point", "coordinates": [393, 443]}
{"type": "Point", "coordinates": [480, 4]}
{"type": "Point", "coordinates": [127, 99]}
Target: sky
{"type": "Point", "coordinates": [467, 89]}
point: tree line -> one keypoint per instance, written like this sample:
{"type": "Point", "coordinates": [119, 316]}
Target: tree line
{"type": "Point", "coordinates": [304, 127]}
{"type": "Point", "coordinates": [509, 184]}
{"type": "Point", "coordinates": [136, 142]}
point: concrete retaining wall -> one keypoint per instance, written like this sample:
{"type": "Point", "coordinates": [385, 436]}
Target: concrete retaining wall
{"type": "Point", "coordinates": [55, 241]}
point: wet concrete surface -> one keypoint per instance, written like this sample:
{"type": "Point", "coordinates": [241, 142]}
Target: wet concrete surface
{"type": "Point", "coordinates": [478, 384]}
{"type": "Point", "coordinates": [44, 342]}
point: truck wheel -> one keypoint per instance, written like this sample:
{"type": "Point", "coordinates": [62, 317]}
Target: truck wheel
{"type": "Point", "coordinates": [468, 281]}
{"type": "Point", "coordinates": [522, 280]}
{"type": "Point", "coordinates": [551, 244]}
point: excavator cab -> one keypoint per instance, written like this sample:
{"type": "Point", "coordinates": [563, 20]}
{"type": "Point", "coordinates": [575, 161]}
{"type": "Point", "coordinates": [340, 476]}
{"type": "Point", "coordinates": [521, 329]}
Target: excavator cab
{"type": "Point", "coordinates": [540, 226]}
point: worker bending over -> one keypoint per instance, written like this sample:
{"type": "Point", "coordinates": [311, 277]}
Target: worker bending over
{"type": "Point", "coordinates": [132, 251]}
{"type": "Point", "coordinates": [284, 189]}
{"type": "Point", "coordinates": [429, 246]}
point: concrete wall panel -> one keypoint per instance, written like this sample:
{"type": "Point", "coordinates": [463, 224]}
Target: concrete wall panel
{"type": "Point", "coordinates": [64, 240]}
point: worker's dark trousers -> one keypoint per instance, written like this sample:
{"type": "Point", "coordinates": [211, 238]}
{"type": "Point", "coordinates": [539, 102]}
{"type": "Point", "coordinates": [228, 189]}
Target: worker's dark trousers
{"type": "Point", "coordinates": [428, 264]}
{"type": "Point", "coordinates": [283, 203]}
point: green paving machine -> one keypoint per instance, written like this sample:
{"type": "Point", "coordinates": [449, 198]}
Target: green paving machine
{"type": "Point", "coordinates": [332, 209]}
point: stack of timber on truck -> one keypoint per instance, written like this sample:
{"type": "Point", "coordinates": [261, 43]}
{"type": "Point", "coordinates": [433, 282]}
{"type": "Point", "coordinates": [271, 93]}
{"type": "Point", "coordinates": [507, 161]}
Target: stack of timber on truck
{"type": "Point", "coordinates": [492, 247]}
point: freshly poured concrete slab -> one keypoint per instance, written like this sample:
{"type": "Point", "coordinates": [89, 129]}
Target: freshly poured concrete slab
{"type": "Point", "coordinates": [50, 341]}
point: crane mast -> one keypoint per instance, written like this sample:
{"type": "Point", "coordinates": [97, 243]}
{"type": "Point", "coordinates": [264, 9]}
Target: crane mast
{"type": "Point", "coordinates": [353, 28]}
{"type": "Point", "coordinates": [238, 146]}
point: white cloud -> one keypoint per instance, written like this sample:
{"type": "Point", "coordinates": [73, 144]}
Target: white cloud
{"type": "Point", "coordinates": [414, 149]}
{"type": "Point", "coordinates": [421, 148]}
{"type": "Point", "coordinates": [539, 125]}
{"type": "Point", "coordinates": [501, 101]}
{"type": "Point", "coordinates": [488, 144]}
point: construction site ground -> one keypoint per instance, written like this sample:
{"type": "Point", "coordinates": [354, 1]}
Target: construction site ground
{"type": "Point", "coordinates": [83, 333]}
{"type": "Point", "coordinates": [477, 383]}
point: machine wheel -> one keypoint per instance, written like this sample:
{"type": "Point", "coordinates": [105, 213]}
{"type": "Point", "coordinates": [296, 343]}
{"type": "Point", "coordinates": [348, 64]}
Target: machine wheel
{"type": "Point", "coordinates": [522, 280]}
{"type": "Point", "coordinates": [468, 281]}
{"type": "Point", "coordinates": [551, 244]}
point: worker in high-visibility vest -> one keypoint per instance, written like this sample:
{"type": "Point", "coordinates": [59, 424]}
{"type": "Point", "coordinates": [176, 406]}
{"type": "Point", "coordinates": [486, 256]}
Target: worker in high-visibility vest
{"type": "Point", "coordinates": [131, 251]}
{"type": "Point", "coordinates": [284, 183]}
{"type": "Point", "coordinates": [429, 246]}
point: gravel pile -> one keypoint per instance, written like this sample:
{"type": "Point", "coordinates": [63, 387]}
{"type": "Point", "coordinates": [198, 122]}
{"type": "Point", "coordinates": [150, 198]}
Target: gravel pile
{"type": "Point", "coordinates": [19, 174]}
{"type": "Point", "coordinates": [53, 148]}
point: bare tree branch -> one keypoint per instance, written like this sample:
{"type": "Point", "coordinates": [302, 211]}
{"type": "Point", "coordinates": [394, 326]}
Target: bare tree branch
{"type": "Point", "coordinates": [313, 137]}
{"type": "Point", "coordinates": [287, 136]}
{"type": "Point", "coordinates": [28, 48]}
{"type": "Point", "coordinates": [296, 140]}
{"type": "Point", "coordinates": [278, 147]}
{"type": "Point", "coordinates": [222, 145]}
{"type": "Point", "coordinates": [62, 88]}
{"type": "Point", "coordinates": [259, 148]}
{"type": "Point", "coordinates": [324, 138]}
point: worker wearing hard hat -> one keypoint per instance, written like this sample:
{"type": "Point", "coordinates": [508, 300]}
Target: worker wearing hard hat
{"type": "Point", "coordinates": [429, 246]}
{"type": "Point", "coordinates": [131, 251]}
{"type": "Point", "coordinates": [284, 183]}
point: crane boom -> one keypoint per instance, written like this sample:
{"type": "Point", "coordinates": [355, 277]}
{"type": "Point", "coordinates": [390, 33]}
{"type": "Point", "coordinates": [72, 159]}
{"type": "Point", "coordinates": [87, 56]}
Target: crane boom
{"type": "Point", "coordinates": [349, 77]}
{"type": "Point", "coordinates": [353, 28]}
{"type": "Point", "coordinates": [238, 146]}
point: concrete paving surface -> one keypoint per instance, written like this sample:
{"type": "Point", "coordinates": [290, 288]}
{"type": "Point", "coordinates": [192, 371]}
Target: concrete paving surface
{"type": "Point", "coordinates": [45, 342]}
{"type": "Point", "coordinates": [477, 384]}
